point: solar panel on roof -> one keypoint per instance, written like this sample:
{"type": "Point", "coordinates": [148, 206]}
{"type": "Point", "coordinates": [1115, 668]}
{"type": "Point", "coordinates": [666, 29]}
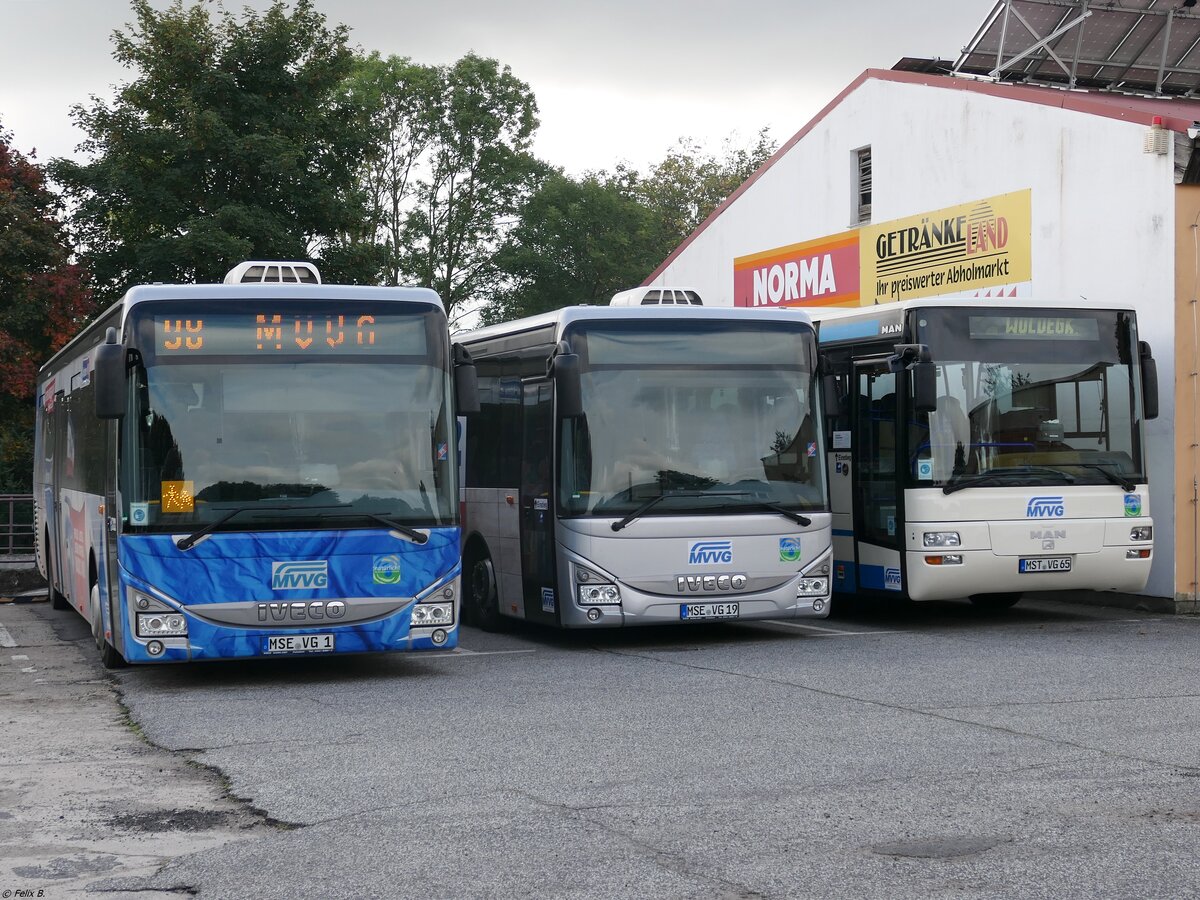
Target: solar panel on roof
{"type": "Point", "coordinates": [1138, 46]}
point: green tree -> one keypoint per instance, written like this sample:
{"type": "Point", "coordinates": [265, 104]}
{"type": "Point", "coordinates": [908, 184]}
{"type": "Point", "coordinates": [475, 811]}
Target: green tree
{"type": "Point", "coordinates": [478, 174]}
{"type": "Point", "coordinates": [235, 139]}
{"type": "Point", "coordinates": [689, 184]}
{"type": "Point", "coordinates": [43, 302]}
{"type": "Point", "coordinates": [577, 241]}
{"type": "Point", "coordinates": [401, 100]}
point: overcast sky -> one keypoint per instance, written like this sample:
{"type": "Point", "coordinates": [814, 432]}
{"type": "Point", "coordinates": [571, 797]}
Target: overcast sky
{"type": "Point", "coordinates": [615, 81]}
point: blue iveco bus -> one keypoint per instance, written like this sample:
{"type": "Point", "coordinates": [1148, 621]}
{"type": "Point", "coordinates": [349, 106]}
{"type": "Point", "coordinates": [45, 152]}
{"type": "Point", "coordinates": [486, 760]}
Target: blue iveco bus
{"type": "Point", "coordinates": [257, 468]}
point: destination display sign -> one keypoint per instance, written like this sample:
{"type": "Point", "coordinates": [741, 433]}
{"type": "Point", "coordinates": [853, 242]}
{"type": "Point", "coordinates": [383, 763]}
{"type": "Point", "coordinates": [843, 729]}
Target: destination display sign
{"type": "Point", "coordinates": [279, 333]}
{"type": "Point", "coordinates": [1055, 328]}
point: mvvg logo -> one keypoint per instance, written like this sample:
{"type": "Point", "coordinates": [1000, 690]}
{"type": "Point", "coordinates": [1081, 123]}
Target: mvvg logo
{"type": "Point", "coordinates": [704, 553]}
{"type": "Point", "coordinates": [299, 576]}
{"type": "Point", "coordinates": [1045, 508]}
{"type": "Point", "coordinates": [891, 579]}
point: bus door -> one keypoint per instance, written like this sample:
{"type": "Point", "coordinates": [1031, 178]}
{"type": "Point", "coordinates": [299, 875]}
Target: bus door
{"type": "Point", "coordinates": [110, 522]}
{"type": "Point", "coordinates": [58, 425]}
{"type": "Point", "coordinates": [875, 477]}
{"type": "Point", "coordinates": [537, 501]}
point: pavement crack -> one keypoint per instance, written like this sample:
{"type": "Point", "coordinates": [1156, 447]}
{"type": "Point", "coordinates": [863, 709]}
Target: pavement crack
{"type": "Point", "coordinates": [668, 860]}
{"type": "Point", "coordinates": [930, 712]}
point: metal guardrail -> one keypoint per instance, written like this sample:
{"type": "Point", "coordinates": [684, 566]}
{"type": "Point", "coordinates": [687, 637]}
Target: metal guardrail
{"type": "Point", "coordinates": [16, 525]}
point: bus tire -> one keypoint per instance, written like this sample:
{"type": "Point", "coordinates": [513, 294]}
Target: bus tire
{"type": "Point", "coordinates": [57, 600]}
{"type": "Point", "coordinates": [996, 602]}
{"type": "Point", "coordinates": [109, 655]}
{"type": "Point", "coordinates": [482, 600]}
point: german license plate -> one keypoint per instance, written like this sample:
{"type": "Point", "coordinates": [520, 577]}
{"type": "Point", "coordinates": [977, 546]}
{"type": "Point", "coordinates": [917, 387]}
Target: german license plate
{"type": "Point", "coordinates": [300, 643]}
{"type": "Point", "coordinates": [1044, 564]}
{"type": "Point", "coordinates": [689, 612]}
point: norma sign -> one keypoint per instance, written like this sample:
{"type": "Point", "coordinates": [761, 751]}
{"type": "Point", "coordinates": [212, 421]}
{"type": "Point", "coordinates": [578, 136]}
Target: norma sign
{"type": "Point", "coordinates": [948, 251]}
{"type": "Point", "coordinates": [823, 272]}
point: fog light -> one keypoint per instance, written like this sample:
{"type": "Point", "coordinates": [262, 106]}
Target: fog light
{"type": "Point", "coordinates": [438, 636]}
{"type": "Point", "coordinates": [599, 594]}
{"type": "Point", "coordinates": [161, 624]}
{"type": "Point", "coordinates": [818, 605]}
{"type": "Point", "coordinates": [154, 648]}
{"type": "Point", "coordinates": [942, 539]}
{"type": "Point", "coordinates": [594, 614]}
{"type": "Point", "coordinates": [1137, 554]}
{"type": "Point", "coordinates": [1142, 533]}
{"type": "Point", "coordinates": [946, 559]}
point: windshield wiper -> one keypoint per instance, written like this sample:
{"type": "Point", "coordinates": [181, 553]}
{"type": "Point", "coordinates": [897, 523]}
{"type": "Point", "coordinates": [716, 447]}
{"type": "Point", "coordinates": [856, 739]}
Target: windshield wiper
{"type": "Point", "coordinates": [653, 501]}
{"type": "Point", "coordinates": [965, 481]}
{"type": "Point", "coordinates": [784, 511]}
{"type": "Point", "coordinates": [1126, 483]}
{"type": "Point", "coordinates": [417, 537]}
{"type": "Point", "coordinates": [186, 543]}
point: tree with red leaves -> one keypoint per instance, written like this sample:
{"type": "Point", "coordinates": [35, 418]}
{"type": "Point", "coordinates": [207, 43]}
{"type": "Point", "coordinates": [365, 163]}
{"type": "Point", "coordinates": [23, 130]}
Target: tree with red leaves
{"type": "Point", "coordinates": [44, 302]}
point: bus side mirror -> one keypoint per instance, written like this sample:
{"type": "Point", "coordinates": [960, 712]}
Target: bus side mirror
{"type": "Point", "coordinates": [108, 378]}
{"type": "Point", "coordinates": [1149, 381]}
{"type": "Point", "coordinates": [568, 382]}
{"type": "Point", "coordinates": [924, 385]}
{"type": "Point", "coordinates": [916, 358]}
{"type": "Point", "coordinates": [831, 396]}
{"type": "Point", "coordinates": [466, 382]}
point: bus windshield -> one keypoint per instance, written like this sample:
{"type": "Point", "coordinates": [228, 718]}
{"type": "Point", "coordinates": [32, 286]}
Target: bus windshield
{"type": "Point", "coordinates": [1049, 391]}
{"type": "Point", "coordinates": [292, 437]}
{"type": "Point", "coordinates": [690, 409]}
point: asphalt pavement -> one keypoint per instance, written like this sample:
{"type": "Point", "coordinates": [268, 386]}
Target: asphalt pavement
{"type": "Point", "coordinates": [931, 751]}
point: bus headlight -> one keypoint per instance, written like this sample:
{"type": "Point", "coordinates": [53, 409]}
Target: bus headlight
{"type": "Point", "coordinates": [942, 539]}
{"type": "Point", "coordinates": [428, 615]}
{"type": "Point", "coordinates": [812, 587]}
{"type": "Point", "coordinates": [161, 625]}
{"type": "Point", "coordinates": [593, 594]}
{"type": "Point", "coordinates": [1142, 533]}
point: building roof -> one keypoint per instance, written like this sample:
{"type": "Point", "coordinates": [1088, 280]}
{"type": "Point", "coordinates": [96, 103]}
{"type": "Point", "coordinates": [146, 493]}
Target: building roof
{"type": "Point", "coordinates": [1178, 114]}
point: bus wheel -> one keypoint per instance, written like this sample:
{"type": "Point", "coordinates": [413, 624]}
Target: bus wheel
{"type": "Point", "coordinates": [481, 593]}
{"type": "Point", "coordinates": [108, 653]}
{"type": "Point", "coordinates": [996, 601]}
{"type": "Point", "coordinates": [57, 600]}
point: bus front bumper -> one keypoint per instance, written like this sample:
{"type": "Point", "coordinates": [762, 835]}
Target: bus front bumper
{"type": "Point", "coordinates": [985, 571]}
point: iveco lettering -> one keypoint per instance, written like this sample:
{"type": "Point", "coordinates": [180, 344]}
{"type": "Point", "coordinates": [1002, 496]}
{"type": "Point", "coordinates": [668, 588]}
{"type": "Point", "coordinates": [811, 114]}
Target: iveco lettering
{"type": "Point", "coordinates": [263, 467]}
{"type": "Point", "coordinates": [646, 464]}
{"type": "Point", "coordinates": [961, 425]}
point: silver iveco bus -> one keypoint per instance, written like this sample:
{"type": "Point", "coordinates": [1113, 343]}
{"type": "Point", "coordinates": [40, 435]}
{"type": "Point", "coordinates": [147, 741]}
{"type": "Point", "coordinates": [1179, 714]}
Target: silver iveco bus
{"type": "Point", "coordinates": [646, 465]}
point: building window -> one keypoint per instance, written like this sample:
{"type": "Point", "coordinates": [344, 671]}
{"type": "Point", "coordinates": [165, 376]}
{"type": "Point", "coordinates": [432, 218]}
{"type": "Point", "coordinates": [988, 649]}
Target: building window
{"type": "Point", "coordinates": [862, 186]}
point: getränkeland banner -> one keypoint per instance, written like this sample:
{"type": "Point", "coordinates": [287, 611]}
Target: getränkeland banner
{"type": "Point", "coordinates": [962, 248]}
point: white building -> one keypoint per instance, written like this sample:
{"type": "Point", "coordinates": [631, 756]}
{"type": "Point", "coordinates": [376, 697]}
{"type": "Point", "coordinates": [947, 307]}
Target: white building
{"type": "Point", "coordinates": [1092, 190]}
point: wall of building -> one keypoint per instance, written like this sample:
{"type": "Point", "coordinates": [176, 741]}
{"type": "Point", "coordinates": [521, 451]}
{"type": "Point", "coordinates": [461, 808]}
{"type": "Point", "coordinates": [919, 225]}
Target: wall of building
{"type": "Point", "coordinates": [1102, 212]}
{"type": "Point", "coordinates": [1187, 392]}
